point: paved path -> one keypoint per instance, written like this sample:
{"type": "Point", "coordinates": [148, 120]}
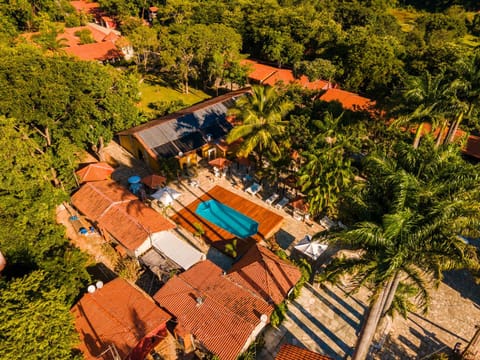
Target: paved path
{"type": "Point", "coordinates": [321, 319]}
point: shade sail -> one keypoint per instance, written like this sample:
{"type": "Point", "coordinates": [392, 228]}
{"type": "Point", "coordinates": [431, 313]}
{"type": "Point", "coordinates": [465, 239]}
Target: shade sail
{"type": "Point", "coordinates": [176, 249]}
{"type": "Point", "coordinates": [227, 218]}
{"type": "Point", "coordinates": [311, 249]}
{"type": "Point", "coordinates": [95, 172]}
{"type": "Point", "coordinates": [166, 195]}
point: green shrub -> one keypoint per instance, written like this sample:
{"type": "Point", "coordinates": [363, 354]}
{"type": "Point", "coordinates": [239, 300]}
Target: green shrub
{"type": "Point", "coordinates": [278, 314]}
{"type": "Point", "coordinates": [166, 107]}
{"type": "Point", "coordinates": [85, 36]}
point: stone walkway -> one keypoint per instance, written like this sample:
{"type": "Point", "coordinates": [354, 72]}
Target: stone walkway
{"type": "Point", "coordinates": [321, 319]}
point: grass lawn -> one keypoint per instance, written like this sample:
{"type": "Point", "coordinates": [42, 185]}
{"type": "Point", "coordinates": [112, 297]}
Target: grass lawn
{"type": "Point", "coordinates": [152, 92]}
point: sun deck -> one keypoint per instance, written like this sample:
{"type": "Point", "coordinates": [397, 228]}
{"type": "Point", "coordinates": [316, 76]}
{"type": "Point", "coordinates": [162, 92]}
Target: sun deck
{"type": "Point", "coordinates": [268, 221]}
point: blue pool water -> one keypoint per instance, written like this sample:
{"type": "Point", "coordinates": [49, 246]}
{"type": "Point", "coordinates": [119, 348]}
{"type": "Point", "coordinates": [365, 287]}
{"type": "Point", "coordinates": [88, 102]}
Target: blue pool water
{"type": "Point", "coordinates": [227, 218]}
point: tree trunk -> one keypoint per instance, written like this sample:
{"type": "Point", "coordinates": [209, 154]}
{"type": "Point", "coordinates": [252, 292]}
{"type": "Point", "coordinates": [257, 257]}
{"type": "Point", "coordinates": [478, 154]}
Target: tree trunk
{"type": "Point", "coordinates": [440, 134]}
{"type": "Point", "coordinates": [418, 135]}
{"type": "Point", "coordinates": [369, 328]}
{"type": "Point", "coordinates": [100, 148]}
{"type": "Point", "coordinates": [391, 294]}
{"type": "Point", "coordinates": [454, 128]}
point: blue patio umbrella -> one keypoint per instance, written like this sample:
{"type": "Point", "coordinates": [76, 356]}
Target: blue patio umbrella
{"type": "Point", "coordinates": [135, 179]}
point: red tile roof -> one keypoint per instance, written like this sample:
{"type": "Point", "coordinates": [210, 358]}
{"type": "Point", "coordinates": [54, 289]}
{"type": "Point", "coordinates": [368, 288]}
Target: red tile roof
{"type": "Point", "coordinates": [97, 51]}
{"type": "Point", "coordinates": [290, 352]}
{"type": "Point", "coordinates": [349, 100]}
{"type": "Point", "coordinates": [102, 49]}
{"type": "Point", "coordinates": [269, 75]}
{"type": "Point", "coordinates": [119, 212]}
{"type": "Point", "coordinates": [85, 6]}
{"type": "Point", "coordinates": [472, 144]}
{"type": "Point", "coordinates": [225, 317]}
{"type": "Point", "coordinates": [259, 72]}
{"type": "Point", "coordinates": [472, 147]}
{"type": "Point", "coordinates": [117, 314]}
{"type": "Point", "coordinates": [262, 271]}
{"type": "Point", "coordinates": [94, 172]}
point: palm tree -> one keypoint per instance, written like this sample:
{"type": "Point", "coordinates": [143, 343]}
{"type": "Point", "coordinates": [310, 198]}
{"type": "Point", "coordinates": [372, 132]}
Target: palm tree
{"type": "Point", "coordinates": [467, 86]}
{"type": "Point", "coordinates": [327, 169]}
{"type": "Point", "coordinates": [427, 99]}
{"type": "Point", "coordinates": [428, 198]}
{"type": "Point", "coordinates": [261, 116]}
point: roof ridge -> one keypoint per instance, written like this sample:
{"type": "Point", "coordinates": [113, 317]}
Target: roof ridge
{"type": "Point", "coordinates": [186, 111]}
{"type": "Point", "coordinates": [222, 305]}
{"type": "Point", "coordinates": [133, 218]}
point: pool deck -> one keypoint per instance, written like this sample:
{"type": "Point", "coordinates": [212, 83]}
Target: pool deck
{"type": "Point", "coordinates": [268, 221]}
{"type": "Point", "coordinates": [290, 232]}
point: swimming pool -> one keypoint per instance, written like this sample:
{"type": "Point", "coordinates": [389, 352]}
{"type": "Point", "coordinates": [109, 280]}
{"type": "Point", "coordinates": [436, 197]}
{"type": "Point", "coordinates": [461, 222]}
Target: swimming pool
{"type": "Point", "coordinates": [227, 218]}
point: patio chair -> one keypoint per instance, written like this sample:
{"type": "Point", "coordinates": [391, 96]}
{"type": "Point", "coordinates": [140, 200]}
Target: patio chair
{"type": "Point", "coordinates": [282, 203]}
{"type": "Point", "coordinates": [327, 223]}
{"type": "Point", "coordinates": [254, 188]}
{"type": "Point", "coordinates": [272, 198]}
{"type": "Point", "coordinates": [298, 216]}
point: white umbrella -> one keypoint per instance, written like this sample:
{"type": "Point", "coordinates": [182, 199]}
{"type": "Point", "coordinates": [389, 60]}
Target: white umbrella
{"type": "Point", "coordinates": [166, 195]}
{"type": "Point", "coordinates": [311, 249]}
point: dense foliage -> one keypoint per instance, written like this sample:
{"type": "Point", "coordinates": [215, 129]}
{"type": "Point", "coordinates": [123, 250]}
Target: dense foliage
{"type": "Point", "coordinates": [52, 108]}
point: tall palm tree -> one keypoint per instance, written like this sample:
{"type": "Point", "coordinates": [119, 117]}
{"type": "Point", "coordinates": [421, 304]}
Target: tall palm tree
{"type": "Point", "coordinates": [261, 116]}
{"type": "Point", "coordinates": [428, 198]}
{"type": "Point", "coordinates": [427, 99]}
{"type": "Point", "coordinates": [467, 85]}
{"type": "Point", "coordinates": [327, 169]}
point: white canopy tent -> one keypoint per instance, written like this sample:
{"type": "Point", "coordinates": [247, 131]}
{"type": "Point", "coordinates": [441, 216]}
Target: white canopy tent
{"type": "Point", "coordinates": [309, 248]}
{"type": "Point", "coordinates": [166, 195]}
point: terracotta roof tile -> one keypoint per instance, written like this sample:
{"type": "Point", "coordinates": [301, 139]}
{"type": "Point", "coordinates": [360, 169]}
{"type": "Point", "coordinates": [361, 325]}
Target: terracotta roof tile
{"type": "Point", "coordinates": [97, 51]}
{"type": "Point", "coordinates": [290, 352]}
{"type": "Point", "coordinates": [259, 72]}
{"type": "Point", "coordinates": [103, 48]}
{"type": "Point", "coordinates": [269, 75]}
{"type": "Point", "coordinates": [226, 316]}
{"type": "Point", "coordinates": [262, 271]}
{"type": "Point", "coordinates": [119, 212]}
{"type": "Point", "coordinates": [349, 100]}
{"type": "Point", "coordinates": [86, 7]}
{"type": "Point", "coordinates": [117, 314]}
{"type": "Point", "coordinates": [94, 172]}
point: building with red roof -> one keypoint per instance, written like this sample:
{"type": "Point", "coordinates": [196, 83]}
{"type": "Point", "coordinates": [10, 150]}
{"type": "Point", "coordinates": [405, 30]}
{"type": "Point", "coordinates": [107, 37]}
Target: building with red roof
{"type": "Point", "coordinates": [118, 319]}
{"type": "Point", "coordinates": [213, 312]}
{"type": "Point", "coordinates": [349, 100]}
{"type": "Point", "coordinates": [86, 7]}
{"type": "Point", "coordinates": [263, 272]}
{"type": "Point", "coordinates": [120, 215]}
{"type": "Point", "coordinates": [291, 352]}
{"type": "Point", "coordinates": [105, 46]}
{"type": "Point", "coordinates": [472, 142]}
{"type": "Point", "coordinates": [269, 75]}
{"type": "Point", "coordinates": [94, 172]}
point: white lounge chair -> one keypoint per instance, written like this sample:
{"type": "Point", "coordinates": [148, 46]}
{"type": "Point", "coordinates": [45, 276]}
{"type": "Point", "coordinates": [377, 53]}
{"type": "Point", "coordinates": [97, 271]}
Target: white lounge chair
{"type": "Point", "coordinates": [254, 188]}
{"type": "Point", "coordinates": [298, 216]}
{"type": "Point", "coordinates": [327, 223]}
{"type": "Point", "coordinates": [272, 198]}
{"type": "Point", "coordinates": [282, 203]}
